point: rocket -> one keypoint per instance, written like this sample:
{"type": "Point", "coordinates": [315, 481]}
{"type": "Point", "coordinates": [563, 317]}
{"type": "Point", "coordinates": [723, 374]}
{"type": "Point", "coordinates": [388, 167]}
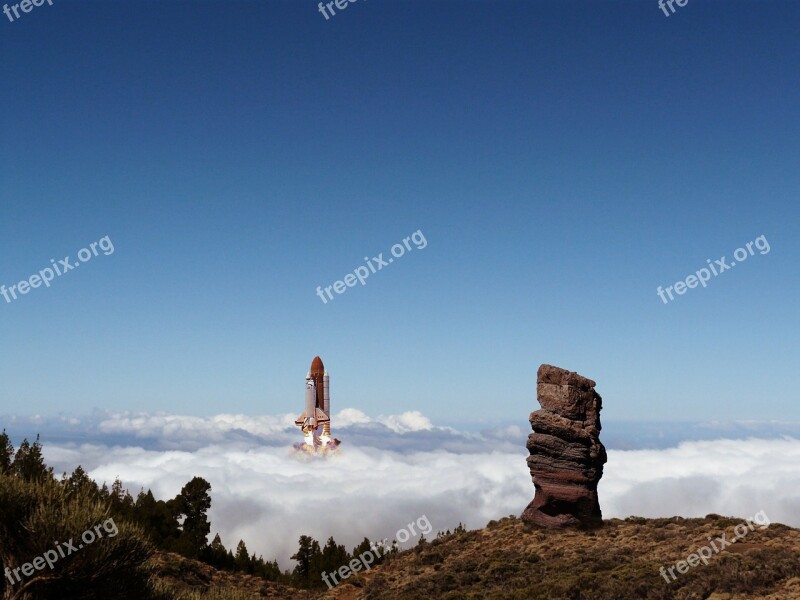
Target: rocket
{"type": "Point", "coordinates": [318, 401]}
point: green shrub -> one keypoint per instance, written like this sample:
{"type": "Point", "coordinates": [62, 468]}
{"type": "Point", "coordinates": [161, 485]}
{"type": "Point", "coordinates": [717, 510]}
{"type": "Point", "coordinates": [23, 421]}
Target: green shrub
{"type": "Point", "coordinates": [36, 515]}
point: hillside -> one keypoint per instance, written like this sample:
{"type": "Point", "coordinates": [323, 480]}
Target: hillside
{"type": "Point", "coordinates": [508, 559]}
{"type": "Point", "coordinates": [179, 578]}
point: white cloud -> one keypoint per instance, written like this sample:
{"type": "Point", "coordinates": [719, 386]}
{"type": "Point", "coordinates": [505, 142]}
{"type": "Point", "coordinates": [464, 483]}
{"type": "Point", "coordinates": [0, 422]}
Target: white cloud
{"type": "Point", "coordinates": [182, 427]}
{"type": "Point", "coordinates": [391, 470]}
{"type": "Point", "coordinates": [351, 416]}
{"type": "Point", "coordinates": [269, 496]}
{"type": "Point", "coordinates": [408, 421]}
{"type": "Point", "coordinates": [729, 477]}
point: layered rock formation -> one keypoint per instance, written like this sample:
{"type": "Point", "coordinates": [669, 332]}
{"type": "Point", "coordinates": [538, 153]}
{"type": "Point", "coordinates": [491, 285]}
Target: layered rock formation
{"type": "Point", "coordinates": [566, 457]}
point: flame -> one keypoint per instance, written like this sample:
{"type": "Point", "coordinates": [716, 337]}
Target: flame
{"type": "Point", "coordinates": [321, 445]}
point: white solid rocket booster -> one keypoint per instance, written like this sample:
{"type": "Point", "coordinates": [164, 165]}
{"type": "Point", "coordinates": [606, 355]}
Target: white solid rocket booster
{"type": "Point", "coordinates": [326, 399]}
{"type": "Point", "coordinates": [311, 401]}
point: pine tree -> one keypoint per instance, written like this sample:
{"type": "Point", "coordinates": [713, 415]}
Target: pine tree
{"type": "Point", "coordinates": [80, 481]}
{"type": "Point", "coordinates": [366, 546]}
{"type": "Point", "coordinates": [220, 556]}
{"type": "Point", "coordinates": [268, 570]}
{"type": "Point", "coordinates": [158, 520]}
{"type": "Point", "coordinates": [242, 558]}
{"type": "Point", "coordinates": [6, 453]}
{"type": "Point", "coordinates": [193, 504]}
{"type": "Point", "coordinates": [333, 557]}
{"type": "Point", "coordinates": [29, 462]}
{"type": "Point", "coordinates": [308, 561]}
{"type": "Point", "coordinates": [215, 554]}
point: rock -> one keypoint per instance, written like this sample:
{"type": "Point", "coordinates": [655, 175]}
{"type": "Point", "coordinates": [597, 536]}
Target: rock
{"type": "Point", "coordinates": [566, 457]}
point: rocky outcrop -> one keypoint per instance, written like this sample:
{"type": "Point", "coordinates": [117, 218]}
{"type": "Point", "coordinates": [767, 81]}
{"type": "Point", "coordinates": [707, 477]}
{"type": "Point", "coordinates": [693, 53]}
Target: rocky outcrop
{"type": "Point", "coordinates": [566, 457]}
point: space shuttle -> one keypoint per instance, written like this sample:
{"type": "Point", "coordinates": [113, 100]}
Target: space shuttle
{"type": "Point", "coordinates": [318, 402]}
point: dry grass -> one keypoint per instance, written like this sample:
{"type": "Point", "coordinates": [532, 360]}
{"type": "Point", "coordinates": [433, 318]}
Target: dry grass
{"type": "Point", "coordinates": [178, 578]}
{"type": "Point", "coordinates": [509, 560]}
{"type": "Point", "coordinates": [617, 562]}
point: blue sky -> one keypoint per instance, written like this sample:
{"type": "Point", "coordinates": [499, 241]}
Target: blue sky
{"type": "Point", "coordinates": [562, 159]}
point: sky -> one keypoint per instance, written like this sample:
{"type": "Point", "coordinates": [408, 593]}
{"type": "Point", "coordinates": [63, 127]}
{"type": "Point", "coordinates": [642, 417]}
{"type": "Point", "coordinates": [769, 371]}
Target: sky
{"type": "Point", "coordinates": [561, 161]}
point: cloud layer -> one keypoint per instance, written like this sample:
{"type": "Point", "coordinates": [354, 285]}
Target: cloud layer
{"type": "Point", "coordinates": [391, 470]}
